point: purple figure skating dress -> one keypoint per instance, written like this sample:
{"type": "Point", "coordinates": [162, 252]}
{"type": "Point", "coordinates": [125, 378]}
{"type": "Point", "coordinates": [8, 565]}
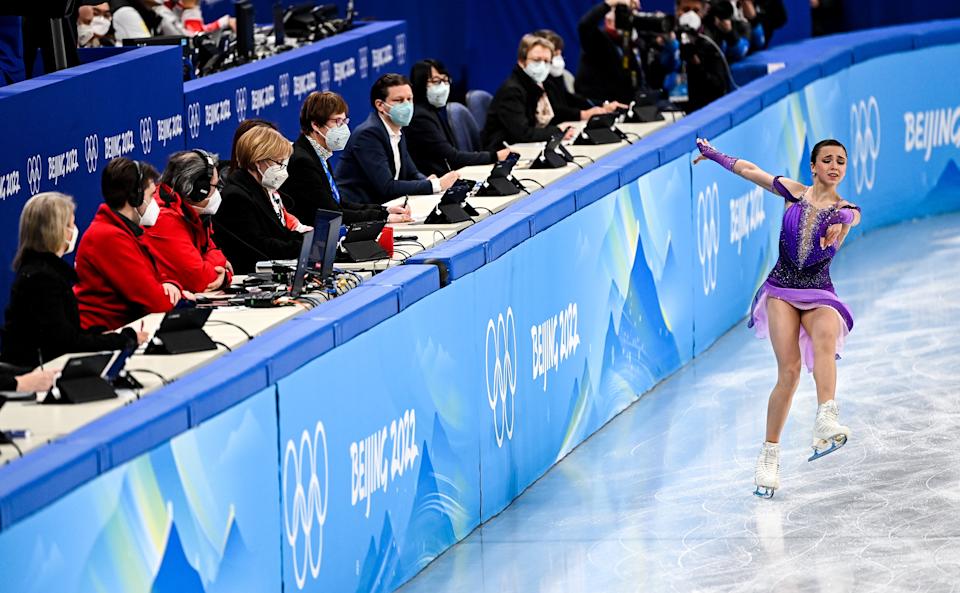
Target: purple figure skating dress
{"type": "Point", "coordinates": [802, 274]}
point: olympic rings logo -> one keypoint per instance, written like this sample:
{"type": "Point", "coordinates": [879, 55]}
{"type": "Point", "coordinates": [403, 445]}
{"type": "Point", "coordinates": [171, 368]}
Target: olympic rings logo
{"type": "Point", "coordinates": [193, 119]}
{"type": "Point", "coordinates": [34, 173]}
{"type": "Point", "coordinates": [284, 83]}
{"type": "Point", "coordinates": [241, 97]}
{"type": "Point", "coordinates": [363, 57]}
{"type": "Point", "coordinates": [865, 131]}
{"type": "Point", "coordinates": [401, 46]}
{"type": "Point", "coordinates": [502, 376]}
{"type": "Point", "coordinates": [146, 134]}
{"type": "Point", "coordinates": [708, 235]}
{"type": "Point", "coordinates": [306, 510]}
{"type": "Point", "coordinates": [91, 152]}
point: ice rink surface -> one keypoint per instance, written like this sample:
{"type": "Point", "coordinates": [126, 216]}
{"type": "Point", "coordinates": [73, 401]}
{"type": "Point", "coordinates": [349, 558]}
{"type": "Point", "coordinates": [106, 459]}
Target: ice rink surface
{"type": "Point", "coordinates": [661, 498]}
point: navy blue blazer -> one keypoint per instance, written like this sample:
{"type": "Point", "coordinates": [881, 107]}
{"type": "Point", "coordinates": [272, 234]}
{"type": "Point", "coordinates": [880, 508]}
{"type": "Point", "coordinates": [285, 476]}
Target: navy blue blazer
{"type": "Point", "coordinates": [365, 172]}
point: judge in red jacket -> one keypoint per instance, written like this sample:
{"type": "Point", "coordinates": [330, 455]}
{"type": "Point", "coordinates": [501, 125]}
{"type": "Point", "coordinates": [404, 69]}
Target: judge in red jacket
{"type": "Point", "coordinates": [181, 242]}
{"type": "Point", "coordinates": [118, 278]}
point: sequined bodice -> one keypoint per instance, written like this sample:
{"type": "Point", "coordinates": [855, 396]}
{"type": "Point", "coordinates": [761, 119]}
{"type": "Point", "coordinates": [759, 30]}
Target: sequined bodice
{"type": "Point", "coordinates": [802, 263]}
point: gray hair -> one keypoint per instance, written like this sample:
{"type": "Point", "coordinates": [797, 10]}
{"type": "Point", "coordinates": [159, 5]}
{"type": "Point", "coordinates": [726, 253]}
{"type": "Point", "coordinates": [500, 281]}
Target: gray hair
{"type": "Point", "coordinates": [183, 170]}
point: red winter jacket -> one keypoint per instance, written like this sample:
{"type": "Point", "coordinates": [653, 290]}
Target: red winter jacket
{"type": "Point", "coordinates": [118, 279]}
{"type": "Point", "coordinates": [182, 243]}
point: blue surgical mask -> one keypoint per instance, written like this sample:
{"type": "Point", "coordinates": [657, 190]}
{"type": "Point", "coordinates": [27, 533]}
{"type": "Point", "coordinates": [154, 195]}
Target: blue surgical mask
{"type": "Point", "coordinates": [337, 137]}
{"type": "Point", "coordinates": [401, 113]}
{"type": "Point", "coordinates": [437, 94]}
{"type": "Point", "coordinates": [538, 71]}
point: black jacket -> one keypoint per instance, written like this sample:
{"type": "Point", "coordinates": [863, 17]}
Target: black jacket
{"type": "Point", "coordinates": [706, 73]}
{"type": "Point", "coordinates": [310, 189]}
{"type": "Point", "coordinates": [601, 76]}
{"type": "Point", "coordinates": [42, 319]}
{"type": "Point", "coordinates": [365, 170]}
{"type": "Point", "coordinates": [433, 147]}
{"type": "Point", "coordinates": [566, 105]}
{"type": "Point", "coordinates": [512, 116]}
{"type": "Point", "coordinates": [247, 228]}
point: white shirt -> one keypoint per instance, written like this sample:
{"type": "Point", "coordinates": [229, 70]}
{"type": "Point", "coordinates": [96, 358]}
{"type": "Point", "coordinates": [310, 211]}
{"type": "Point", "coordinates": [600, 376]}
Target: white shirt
{"type": "Point", "coordinates": [127, 24]}
{"type": "Point", "coordinates": [395, 146]}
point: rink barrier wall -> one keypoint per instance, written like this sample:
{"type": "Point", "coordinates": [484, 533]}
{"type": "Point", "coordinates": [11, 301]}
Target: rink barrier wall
{"type": "Point", "coordinates": [554, 316]}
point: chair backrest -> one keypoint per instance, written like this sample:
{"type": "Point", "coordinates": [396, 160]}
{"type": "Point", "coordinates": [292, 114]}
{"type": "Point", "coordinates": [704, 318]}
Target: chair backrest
{"type": "Point", "coordinates": [478, 102]}
{"type": "Point", "coordinates": [466, 132]}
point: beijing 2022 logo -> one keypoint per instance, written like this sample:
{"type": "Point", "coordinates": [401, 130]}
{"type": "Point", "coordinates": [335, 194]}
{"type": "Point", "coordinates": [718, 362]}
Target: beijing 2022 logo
{"type": "Point", "coordinates": [305, 508]}
{"type": "Point", "coordinates": [708, 235]}
{"type": "Point", "coordinates": [501, 373]}
{"type": "Point", "coordinates": [865, 133]}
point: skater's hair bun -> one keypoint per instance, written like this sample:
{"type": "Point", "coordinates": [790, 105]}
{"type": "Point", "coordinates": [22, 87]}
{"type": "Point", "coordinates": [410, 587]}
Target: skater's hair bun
{"type": "Point", "coordinates": [822, 144]}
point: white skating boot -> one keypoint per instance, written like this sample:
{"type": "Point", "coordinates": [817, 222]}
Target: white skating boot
{"type": "Point", "coordinates": [828, 434]}
{"type": "Point", "coordinates": [767, 474]}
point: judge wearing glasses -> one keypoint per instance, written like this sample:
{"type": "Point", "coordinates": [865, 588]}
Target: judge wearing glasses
{"type": "Point", "coordinates": [325, 129]}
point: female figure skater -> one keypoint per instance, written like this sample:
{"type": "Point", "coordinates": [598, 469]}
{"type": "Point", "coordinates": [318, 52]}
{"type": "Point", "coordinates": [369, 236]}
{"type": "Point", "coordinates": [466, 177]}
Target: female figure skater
{"type": "Point", "coordinates": [797, 305]}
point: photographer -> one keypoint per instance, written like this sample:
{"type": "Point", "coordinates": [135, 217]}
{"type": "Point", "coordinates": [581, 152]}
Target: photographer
{"type": "Point", "coordinates": [610, 55]}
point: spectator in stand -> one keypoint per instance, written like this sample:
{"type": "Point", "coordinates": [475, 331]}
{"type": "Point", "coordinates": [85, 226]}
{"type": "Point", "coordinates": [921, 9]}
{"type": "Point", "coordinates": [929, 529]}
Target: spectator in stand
{"type": "Point", "coordinates": [182, 241]}
{"type": "Point", "coordinates": [11, 50]}
{"type": "Point", "coordinates": [429, 136]}
{"type": "Point", "coordinates": [42, 320]}
{"type": "Point", "coordinates": [827, 16]}
{"type": "Point", "coordinates": [93, 26]}
{"type": "Point", "coordinates": [324, 129]}
{"type": "Point", "coordinates": [118, 278]}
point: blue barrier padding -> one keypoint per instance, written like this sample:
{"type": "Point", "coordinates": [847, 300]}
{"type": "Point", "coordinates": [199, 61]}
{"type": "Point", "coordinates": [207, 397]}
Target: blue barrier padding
{"type": "Point", "coordinates": [803, 74]}
{"type": "Point", "coordinates": [288, 347]}
{"type": "Point", "coordinates": [593, 183]}
{"type": "Point", "coordinates": [130, 431]}
{"type": "Point", "coordinates": [546, 207]}
{"type": "Point", "coordinates": [746, 71]}
{"type": "Point", "coordinates": [413, 282]}
{"type": "Point", "coordinates": [711, 122]}
{"type": "Point", "coordinates": [356, 312]}
{"type": "Point", "coordinates": [459, 258]}
{"type": "Point", "coordinates": [498, 234]}
{"type": "Point", "coordinates": [772, 87]}
{"type": "Point", "coordinates": [88, 55]}
{"type": "Point", "coordinates": [50, 472]}
{"type": "Point", "coordinates": [880, 43]}
{"type": "Point", "coordinates": [224, 382]}
{"type": "Point", "coordinates": [674, 140]}
{"type": "Point", "coordinates": [633, 161]}
{"type": "Point", "coordinates": [938, 33]}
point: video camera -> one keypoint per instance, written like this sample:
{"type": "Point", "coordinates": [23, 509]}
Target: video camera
{"type": "Point", "coordinates": [644, 23]}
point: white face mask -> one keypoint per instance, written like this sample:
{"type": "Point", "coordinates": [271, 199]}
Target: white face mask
{"type": "Point", "coordinates": [274, 177]}
{"type": "Point", "coordinates": [212, 205]}
{"type": "Point", "coordinates": [100, 25]}
{"type": "Point", "coordinates": [538, 71]}
{"type": "Point", "coordinates": [150, 215]}
{"type": "Point", "coordinates": [72, 241]}
{"type": "Point", "coordinates": [557, 66]}
{"type": "Point", "coordinates": [690, 20]}
{"type": "Point", "coordinates": [336, 138]}
{"type": "Point", "coordinates": [437, 94]}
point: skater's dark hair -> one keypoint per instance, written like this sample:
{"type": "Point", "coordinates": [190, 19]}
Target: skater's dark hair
{"type": "Point", "coordinates": [822, 144]}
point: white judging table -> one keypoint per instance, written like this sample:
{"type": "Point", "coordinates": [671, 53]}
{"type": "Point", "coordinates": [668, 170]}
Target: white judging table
{"type": "Point", "coordinates": [49, 422]}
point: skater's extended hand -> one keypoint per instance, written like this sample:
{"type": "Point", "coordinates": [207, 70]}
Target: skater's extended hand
{"type": "Point", "coordinates": [831, 236]}
{"type": "Point", "coordinates": [701, 142]}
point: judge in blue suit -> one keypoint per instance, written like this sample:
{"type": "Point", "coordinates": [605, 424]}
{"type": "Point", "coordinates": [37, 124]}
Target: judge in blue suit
{"type": "Point", "coordinates": [375, 166]}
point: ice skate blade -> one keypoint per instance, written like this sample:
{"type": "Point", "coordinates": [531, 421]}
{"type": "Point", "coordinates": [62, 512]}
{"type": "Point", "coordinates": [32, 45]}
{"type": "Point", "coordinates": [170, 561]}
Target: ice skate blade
{"type": "Point", "coordinates": [767, 492]}
{"type": "Point", "coordinates": [835, 443]}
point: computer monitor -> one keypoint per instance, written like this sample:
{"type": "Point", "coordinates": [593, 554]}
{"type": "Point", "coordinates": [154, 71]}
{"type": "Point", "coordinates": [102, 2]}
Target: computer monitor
{"type": "Point", "coordinates": [245, 25]}
{"type": "Point", "coordinates": [300, 273]}
{"type": "Point", "coordinates": [326, 235]}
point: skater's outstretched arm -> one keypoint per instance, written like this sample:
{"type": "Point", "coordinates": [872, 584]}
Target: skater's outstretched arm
{"type": "Point", "coordinates": [786, 188]}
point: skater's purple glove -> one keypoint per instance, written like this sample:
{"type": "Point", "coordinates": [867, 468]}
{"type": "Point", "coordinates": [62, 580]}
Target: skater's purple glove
{"type": "Point", "coordinates": [725, 161]}
{"type": "Point", "coordinates": [842, 216]}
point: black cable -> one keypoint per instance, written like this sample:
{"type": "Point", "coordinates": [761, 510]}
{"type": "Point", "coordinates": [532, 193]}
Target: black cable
{"type": "Point", "coordinates": [723, 57]}
{"type": "Point", "coordinates": [639, 137]}
{"type": "Point", "coordinates": [489, 211]}
{"type": "Point", "coordinates": [584, 156]}
{"type": "Point", "coordinates": [535, 181]}
{"type": "Point", "coordinates": [412, 242]}
{"type": "Point", "coordinates": [231, 324]}
{"type": "Point", "coordinates": [229, 349]}
{"type": "Point", "coordinates": [163, 379]}
{"type": "Point", "coordinates": [6, 440]}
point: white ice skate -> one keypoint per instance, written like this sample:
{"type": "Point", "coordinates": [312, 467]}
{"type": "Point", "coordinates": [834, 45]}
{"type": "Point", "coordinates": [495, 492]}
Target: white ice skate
{"type": "Point", "coordinates": [828, 434]}
{"type": "Point", "coordinates": [767, 474]}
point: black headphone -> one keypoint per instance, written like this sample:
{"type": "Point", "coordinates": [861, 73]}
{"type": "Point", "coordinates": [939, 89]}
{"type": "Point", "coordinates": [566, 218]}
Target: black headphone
{"type": "Point", "coordinates": [201, 185]}
{"type": "Point", "coordinates": [136, 197]}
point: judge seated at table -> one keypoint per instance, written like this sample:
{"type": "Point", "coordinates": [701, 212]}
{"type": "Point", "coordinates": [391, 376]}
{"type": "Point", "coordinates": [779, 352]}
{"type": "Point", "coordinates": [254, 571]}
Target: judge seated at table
{"type": "Point", "coordinates": [376, 167]}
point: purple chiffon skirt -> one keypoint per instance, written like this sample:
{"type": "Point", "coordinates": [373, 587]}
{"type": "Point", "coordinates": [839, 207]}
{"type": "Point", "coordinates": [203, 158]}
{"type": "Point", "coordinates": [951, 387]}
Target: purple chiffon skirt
{"type": "Point", "coordinates": [803, 299]}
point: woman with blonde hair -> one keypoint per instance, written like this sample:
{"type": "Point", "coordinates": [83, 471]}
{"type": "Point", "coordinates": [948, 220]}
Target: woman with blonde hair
{"type": "Point", "coordinates": [42, 319]}
{"type": "Point", "coordinates": [252, 223]}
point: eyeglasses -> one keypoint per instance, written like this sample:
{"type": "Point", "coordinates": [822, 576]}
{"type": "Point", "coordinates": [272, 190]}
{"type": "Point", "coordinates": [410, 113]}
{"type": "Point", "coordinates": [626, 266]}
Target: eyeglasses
{"type": "Point", "coordinates": [546, 62]}
{"type": "Point", "coordinates": [439, 80]}
{"type": "Point", "coordinates": [282, 164]}
{"type": "Point", "coordinates": [339, 121]}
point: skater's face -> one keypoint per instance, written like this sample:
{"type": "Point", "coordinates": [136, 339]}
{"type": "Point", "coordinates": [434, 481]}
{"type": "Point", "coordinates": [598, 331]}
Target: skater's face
{"type": "Point", "coordinates": [830, 165]}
